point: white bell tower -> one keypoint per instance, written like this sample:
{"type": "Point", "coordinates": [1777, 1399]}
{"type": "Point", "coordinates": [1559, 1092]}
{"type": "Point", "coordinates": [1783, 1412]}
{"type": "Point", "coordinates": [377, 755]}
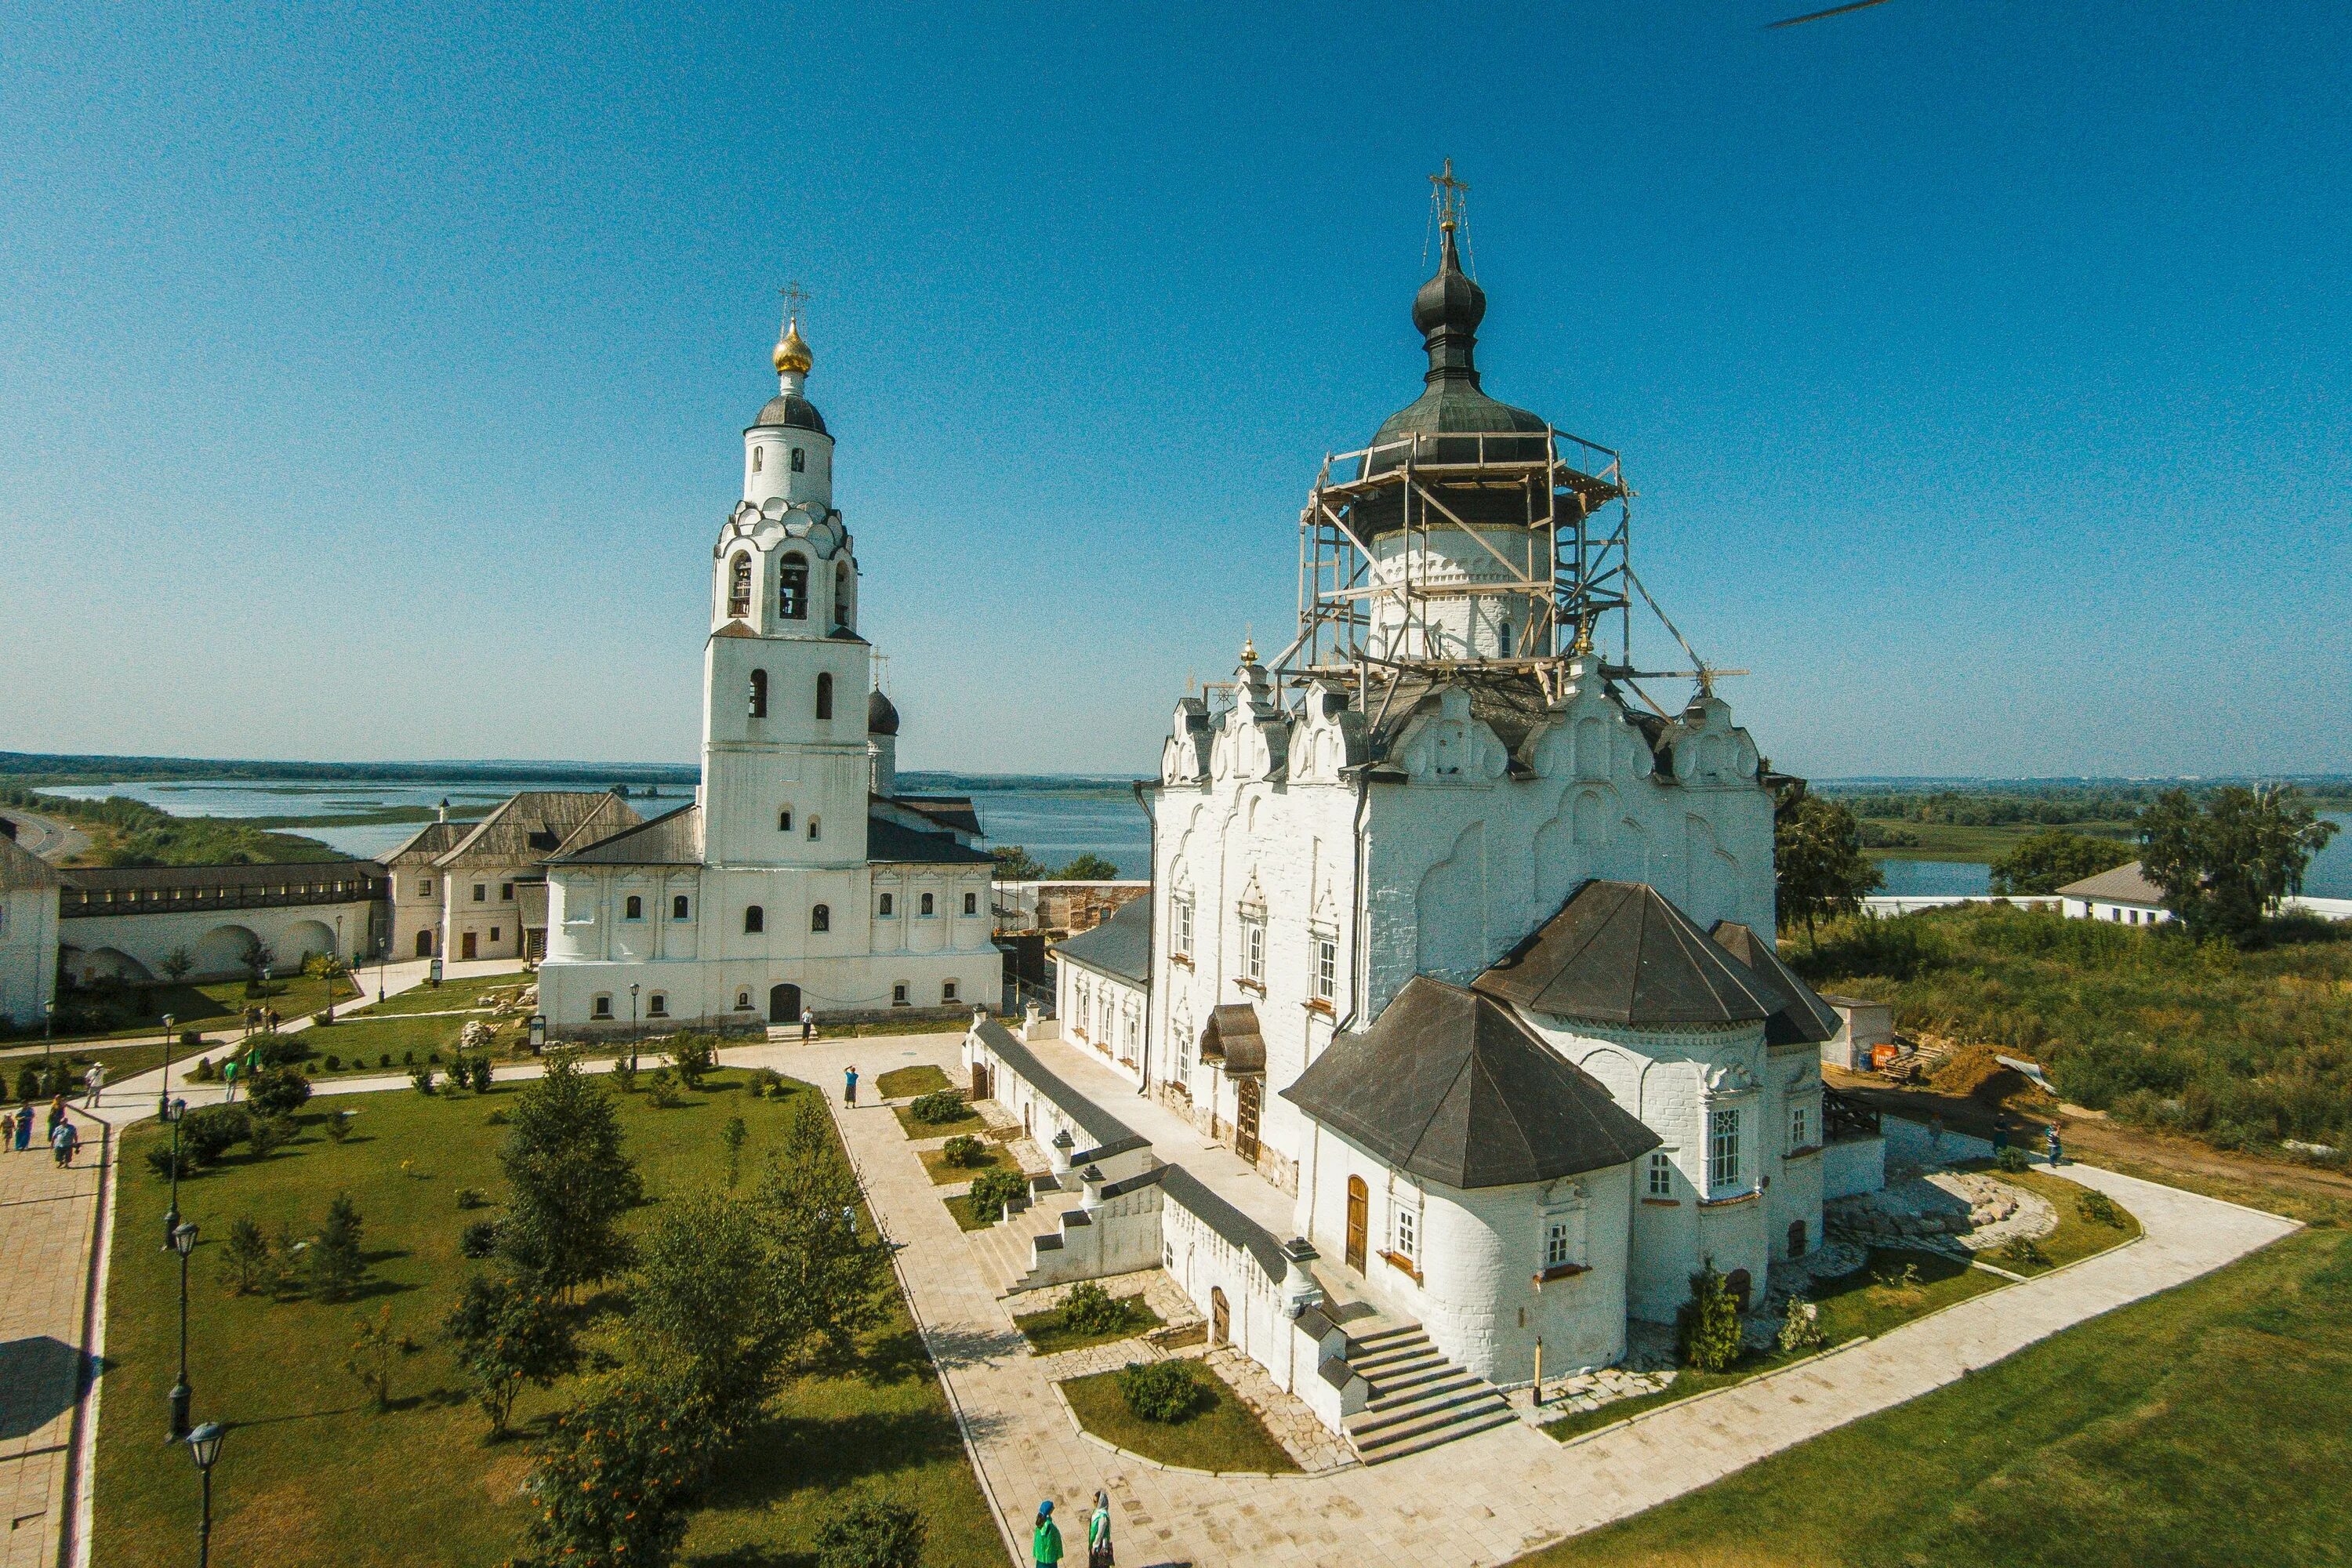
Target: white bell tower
{"type": "Point", "coordinates": [784, 769]}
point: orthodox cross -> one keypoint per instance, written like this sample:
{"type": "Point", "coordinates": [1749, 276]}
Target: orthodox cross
{"type": "Point", "coordinates": [1446, 196]}
{"type": "Point", "coordinates": [795, 298]}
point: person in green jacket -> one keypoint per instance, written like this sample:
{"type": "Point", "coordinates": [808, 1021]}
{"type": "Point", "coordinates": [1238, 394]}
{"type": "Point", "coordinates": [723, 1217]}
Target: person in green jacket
{"type": "Point", "coordinates": [1099, 1534]}
{"type": "Point", "coordinates": [1045, 1547]}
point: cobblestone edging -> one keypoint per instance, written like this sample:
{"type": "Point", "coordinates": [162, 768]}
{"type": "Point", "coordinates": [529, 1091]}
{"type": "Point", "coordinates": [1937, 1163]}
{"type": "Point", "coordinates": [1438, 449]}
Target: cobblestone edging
{"type": "Point", "coordinates": [1129, 1455]}
{"type": "Point", "coordinates": [1698, 1399]}
{"type": "Point", "coordinates": [79, 1489]}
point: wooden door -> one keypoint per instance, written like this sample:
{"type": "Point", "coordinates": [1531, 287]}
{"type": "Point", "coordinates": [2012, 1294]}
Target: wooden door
{"type": "Point", "coordinates": [1245, 1096]}
{"type": "Point", "coordinates": [1359, 1221]}
{"type": "Point", "coordinates": [784, 1004]}
{"type": "Point", "coordinates": [424, 944]}
{"type": "Point", "coordinates": [979, 1082]}
{"type": "Point", "coordinates": [1221, 1317]}
{"type": "Point", "coordinates": [466, 946]}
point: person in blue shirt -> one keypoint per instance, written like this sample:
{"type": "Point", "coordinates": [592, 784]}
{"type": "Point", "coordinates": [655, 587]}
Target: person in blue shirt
{"type": "Point", "coordinates": [849, 1087]}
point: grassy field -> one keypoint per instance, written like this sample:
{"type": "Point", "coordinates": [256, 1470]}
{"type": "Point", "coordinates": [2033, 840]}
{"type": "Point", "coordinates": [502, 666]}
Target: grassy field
{"type": "Point", "coordinates": [903, 1083]}
{"type": "Point", "coordinates": [450, 995]}
{"type": "Point", "coordinates": [2077, 1235]}
{"type": "Point", "coordinates": [1046, 1335]}
{"type": "Point", "coordinates": [1956, 841]}
{"type": "Point", "coordinates": [934, 1162]}
{"type": "Point", "coordinates": [1224, 1436]}
{"type": "Point", "coordinates": [2209, 1426]}
{"type": "Point", "coordinates": [966, 1217]}
{"type": "Point", "coordinates": [310, 1475]}
{"type": "Point", "coordinates": [914, 1129]}
{"type": "Point", "coordinates": [2236, 1048]}
{"type": "Point", "coordinates": [215, 1005]}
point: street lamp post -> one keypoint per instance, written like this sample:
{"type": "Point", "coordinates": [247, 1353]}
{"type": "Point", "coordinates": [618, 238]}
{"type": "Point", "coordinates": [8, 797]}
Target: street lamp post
{"type": "Point", "coordinates": [335, 965]}
{"type": "Point", "coordinates": [174, 1113]}
{"type": "Point", "coordinates": [184, 1241]}
{"type": "Point", "coordinates": [633, 1028]}
{"type": "Point", "coordinates": [49, 1034]}
{"type": "Point", "coordinates": [204, 1447]}
{"type": "Point", "coordinates": [164, 1093]}
{"type": "Point", "coordinates": [383, 950]}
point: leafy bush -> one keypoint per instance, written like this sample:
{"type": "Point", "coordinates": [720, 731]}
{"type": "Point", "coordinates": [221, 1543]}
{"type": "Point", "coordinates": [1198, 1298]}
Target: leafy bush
{"type": "Point", "coordinates": [765, 1082]}
{"type": "Point", "coordinates": [472, 1198]}
{"type": "Point", "coordinates": [940, 1107]}
{"type": "Point", "coordinates": [2013, 1159]}
{"type": "Point", "coordinates": [278, 1050]}
{"type": "Point", "coordinates": [422, 1076]}
{"type": "Point", "coordinates": [268, 1134]}
{"type": "Point", "coordinates": [339, 1125]}
{"type": "Point", "coordinates": [1800, 1328]}
{"type": "Point", "coordinates": [991, 1190]}
{"type": "Point", "coordinates": [506, 1333]}
{"type": "Point", "coordinates": [2099, 1209]}
{"type": "Point", "coordinates": [203, 1072]}
{"type": "Point", "coordinates": [208, 1135]}
{"type": "Point", "coordinates": [479, 1239]}
{"type": "Point", "coordinates": [691, 1056]}
{"type": "Point", "coordinates": [384, 1060]}
{"type": "Point", "coordinates": [160, 1160]}
{"type": "Point", "coordinates": [965, 1151]}
{"type": "Point", "coordinates": [1706, 1329]}
{"type": "Point", "coordinates": [1091, 1310]}
{"type": "Point", "coordinates": [479, 1074]}
{"type": "Point", "coordinates": [613, 1479]}
{"type": "Point", "coordinates": [870, 1533]}
{"type": "Point", "coordinates": [1162, 1391]}
{"type": "Point", "coordinates": [625, 1076]}
{"type": "Point", "coordinates": [2025, 1252]}
{"type": "Point", "coordinates": [279, 1092]}
{"type": "Point", "coordinates": [334, 1063]}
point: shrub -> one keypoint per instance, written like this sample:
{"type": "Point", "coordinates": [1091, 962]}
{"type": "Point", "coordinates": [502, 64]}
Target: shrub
{"type": "Point", "coordinates": [1800, 1329]}
{"type": "Point", "coordinates": [203, 1072]}
{"type": "Point", "coordinates": [991, 1190]}
{"type": "Point", "coordinates": [384, 1060]}
{"type": "Point", "coordinates": [374, 1344]}
{"type": "Point", "coordinates": [434, 1058]}
{"type": "Point", "coordinates": [1706, 1329]}
{"type": "Point", "coordinates": [938, 1107]}
{"type": "Point", "coordinates": [691, 1056]}
{"type": "Point", "coordinates": [625, 1076]}
{"type": "Point", "coordinates": [496, 1119]}
{"type": "Point", "coordinates": [481, 1075]}
{"type": "Point", "coordinates": [337, 1264]}
{"type": "Point", "coordinates": [506, 1332]}
{"type": "Point", "coordinates": [2099, 1209]}
{"type": "Point", "coordinates": [965, 1151]}
{"type": "Point", "coordinates": [160, 1160]}
{"type": "Point", "coordinates": [870, 1533]}
{"type": "Point", "coordinates": [246, 1263]}
{"type": "Point", "coordinates": [2025, 1251]}
{"type": "Point", "coordinates": [409, 1059]}
{"type": "Point", "coordinates": [208, 1135]}
{"type": "Point", "coordinates": [765, 1082]}
{"type": "Point", "coordinates": [279, 1092]}
{"type": "Point", "coordinates": [2013, 1159]}
{"type": "Point", "coordinates": [422, 1076]}
{"type": "Point", "coordinates": [268, 1134]}
{"type": "Point", "coordinates": [334, 1063]}
{"type": "Point", "coordinates": [279, 1050]}
{"type": "Point", "coordinates": [662, 1092]}
{"type": "Point", "coordinates": [339, 1125]}
{"type": "Point", "coordinates": [1162, 1390]}
{"type": "Point", "coordinates": [1091, 1310]}
{"type": "Point", "coordinates": [479, 1239]}
{"type": "Point", "coordinates": [473, 1198]}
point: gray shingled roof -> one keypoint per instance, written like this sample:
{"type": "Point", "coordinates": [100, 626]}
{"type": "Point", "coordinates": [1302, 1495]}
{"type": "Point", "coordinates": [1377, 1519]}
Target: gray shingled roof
{"type": "Point", "coordinates": [1091, 1119]}
{"type": "Point", "coordinates": [1619, 953]}
{"type": "Point", "coordinates": [954, 811]}
{"type": "Point", "coordinates": [537, 823]}
{"type": "Point", "coordinates": [673, 838]}
{"type": "Point", "coordinates": [1120, 946]}
{"type": "Point", "coordinates": [434, 838]}
{"type": "Point", "coordinates": [1451, 1087]}
{"type": "Point", "coordinates": [1807, 1017]}
{"type": "Point", "coordinates": [2125, 884]}
{"type": "Point", "coordinates": [21, 868]}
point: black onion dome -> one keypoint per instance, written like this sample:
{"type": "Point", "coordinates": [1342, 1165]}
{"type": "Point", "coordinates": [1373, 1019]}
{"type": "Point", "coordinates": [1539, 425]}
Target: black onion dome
{"type": "Point", "coordinates": [791, 411]}
{"type": "Point", "coordinates": [881, 715]}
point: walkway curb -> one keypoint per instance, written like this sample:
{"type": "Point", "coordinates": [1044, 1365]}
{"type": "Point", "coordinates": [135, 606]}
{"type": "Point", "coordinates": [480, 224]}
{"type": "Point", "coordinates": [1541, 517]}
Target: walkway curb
{"type": "Point", "coordinates": [79, 1504]}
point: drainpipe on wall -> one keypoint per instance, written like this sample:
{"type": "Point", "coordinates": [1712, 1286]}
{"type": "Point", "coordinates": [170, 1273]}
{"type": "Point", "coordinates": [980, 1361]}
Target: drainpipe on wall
{"type": "Point", "coordinates": [1150, 929]}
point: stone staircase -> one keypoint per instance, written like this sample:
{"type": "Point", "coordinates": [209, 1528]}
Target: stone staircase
{"type": "Point", "coordinates": [1005, 1249]}
{"type": "Point", "coordinates": [1419, 1399]}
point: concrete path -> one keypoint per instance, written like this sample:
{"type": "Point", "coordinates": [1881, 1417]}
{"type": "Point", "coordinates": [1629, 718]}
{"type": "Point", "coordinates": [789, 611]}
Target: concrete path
{"type": "Point", "coordinates": [48, 1220]}
{"type": "Point", "coordinates": [1488, 1498]}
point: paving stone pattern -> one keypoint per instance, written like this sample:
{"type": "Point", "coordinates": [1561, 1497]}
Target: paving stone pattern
{"type": "Point", "coordinates": [46, 1220]}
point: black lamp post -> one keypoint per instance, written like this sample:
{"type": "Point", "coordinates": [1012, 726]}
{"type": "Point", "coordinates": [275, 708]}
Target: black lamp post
{"type": "Point", "coordinates": [383, 950]}
{"type": "Point", "coordinates": [204, 1447]}
{"type": "Point", "coordinates": [184, 1241]}
{"type": "Point", "coordinates": [49, 1034]}
{"type": "Point", "coordinates": [633, 1028]}
{"type": "Point", "coordinates": [173, 1112]}
{"type": "Point", "coordinates": [163, 1094]}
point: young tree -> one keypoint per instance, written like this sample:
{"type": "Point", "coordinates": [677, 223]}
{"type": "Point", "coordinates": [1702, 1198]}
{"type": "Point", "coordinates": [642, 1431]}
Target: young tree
{"type": "Point", "coordinates": [2225, 865]}
{"type": "Point", "coordinates": [830, 1276]}
{"type": "Point", "coordinates": [506, 1332]}
{"type": "Point", "coordinates": [279, 1092]}
{"type": "Point", "coordinates": [245, 1260]}
{"type": "Point", "coordinates": [177, 965]}
{"type": "Point", "coordinates": [707, 1307]}
{"type": "Point", "coordinates": [373, 1345]}
{"type": "Point", "coordinates": [1817, 858]}
{"type": "Point", "coordinates": [614, 1479]}
{"type": "Point", "coordinates": [1015, 864]}
{"type": "Point", "coordinates": [871, 1532]}
{"type": "Point", "coordinates": [1707, 1327]}
{"type": "Point", "coordinates": [2046, 862]}
{"type": "Point", "coordinates": [732, 1137]}
{"type": "Point", "coordinates": [571, 1181]}
{"type": "Point", "coordinates": [1089, 867]}
{"type": "Point", "coordinates": [338, 1266]}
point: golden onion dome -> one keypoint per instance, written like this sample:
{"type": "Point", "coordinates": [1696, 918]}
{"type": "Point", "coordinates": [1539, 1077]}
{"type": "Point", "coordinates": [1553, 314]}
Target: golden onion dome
{"type": "Point", "coordinates": [792, 349]}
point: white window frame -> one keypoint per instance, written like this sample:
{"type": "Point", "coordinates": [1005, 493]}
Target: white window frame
{"type": "Point", "coordinates": [1662, 1174]}
{"type": "Point", "coordinates": [1326, 966]}
{"type": "Point", "coordinates": [1723, 1149]}
{"type": "Point", "coordinates": [1180, 935]}
{"type": "Point", "coordinates": [1559, 1241]}
{"type": "Point", "coordinates": [1253, 945]}
{"type": "Point", "coordinates": [1800, 1116]}
{"type": "Point", "coordinates": [1404, 1232]}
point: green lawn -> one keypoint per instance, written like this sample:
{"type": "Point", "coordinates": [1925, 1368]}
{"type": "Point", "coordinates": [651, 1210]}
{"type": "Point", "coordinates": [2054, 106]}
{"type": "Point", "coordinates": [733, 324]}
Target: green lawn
{"type": "Point", "coordinates": [1225, 1435]}
{"type": "Point", "coordinates": [1046, 1336]}
{"type": "Point", "coordinates": [310, 1476]}
{"type": "Point", "coordinates": [966, 1217]}
{"type": "Point", "coordinates": [1954, 841]}
{"type": "Point", "coordinates": [215, 1005]}
{"type": "Point", "coordinates": [920, 1130]}
{"type": "Point", "coordinates": [449, 995]}
{"type": "Point", "coordinates": [2076, 1236]}
{"type": "Point", "coordinates": [934, 1162]}
{"type": "Point", "coordinates": [2209, 1426]}
{"type": "Point", "coordinates": [903, 1083]}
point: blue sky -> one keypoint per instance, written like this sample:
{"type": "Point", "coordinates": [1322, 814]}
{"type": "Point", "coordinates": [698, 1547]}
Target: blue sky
{"type": "Point", "coordinates": [373, 376]}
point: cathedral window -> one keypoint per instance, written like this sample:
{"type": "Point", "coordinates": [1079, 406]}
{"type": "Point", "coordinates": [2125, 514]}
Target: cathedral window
{"type": "Point", "coordinates": [785, 820]}
{"type": "Point", "coordinates": [971, 903]}
{"type": "Point", "coordinates": [634, 908]}
{"type": "Point", "coordinates": [680, 908]}
{"type": "Point", "coordinates": [930, 904]}
{"type": "Point", "coordinates": [800, 459]}
{"type": "Point", "coordinates": [816, 827]}
{"type": "Point", "coordinates": [755, 919]}
{"type": "Point", "coordinates": [821, 917]}
{"type": "Point", "coordinates": [1662, 1174]}
{"type": "Point", "coordinates": [824, 694]}
{"type": "Point", "coordinates": [886, 908]}
{"type": "Point", "coordinates": [758, 698]}
{"type": "Point", "coordinates": [757, 453]}
{"type": "Point", "coordinates": [897, 994]}
{"type": "Point", "coordinates": [657, 1006]}
{"type": "Point", "coordinates": [739, 587]}
{"type": "Point", "coordinates": [1723, 1149]}
{"type": "Point", "coordinates": [601, 1007]}
{"type": "Point", "coordinates": [947, 991]}
{"type": "Point", "coordinates": [792, 588]}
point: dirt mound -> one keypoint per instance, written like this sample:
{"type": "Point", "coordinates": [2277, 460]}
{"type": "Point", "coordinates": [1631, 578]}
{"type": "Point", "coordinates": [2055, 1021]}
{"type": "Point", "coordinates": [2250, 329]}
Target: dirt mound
{"type": "Point", "coordinates": [1976, 1073]}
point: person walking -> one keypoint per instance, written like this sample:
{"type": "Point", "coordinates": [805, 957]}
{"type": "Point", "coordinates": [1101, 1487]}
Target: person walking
{"type": "Point", "coordinates": [1046, 1543]}
{"type": "Point", "coordinates": [96, 1080]}
{"type": "Point", "coordinates": [65, 1141]}
{"type": "Point", "coordinates": [808, 1024]}
{"type": "Point", "coordinates": [25, 1128]}
{"type": "Point", "coordinates": [2051, 1145]}
{"type": "Point", "coordinates": [228, 1077]}
{"type": "Point", "coordinates": [56, 1114]}
{"type": "Point", "coordinates": [849, 1087]}
{"type": "Point", "coordinates": [1098, 1532]}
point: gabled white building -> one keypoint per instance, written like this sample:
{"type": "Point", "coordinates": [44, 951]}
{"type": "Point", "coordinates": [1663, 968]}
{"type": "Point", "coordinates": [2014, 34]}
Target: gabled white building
{"type": "Point", "coordinates": [800, 878]}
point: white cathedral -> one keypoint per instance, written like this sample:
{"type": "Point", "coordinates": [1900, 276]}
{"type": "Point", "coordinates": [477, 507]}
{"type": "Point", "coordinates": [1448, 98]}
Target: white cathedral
{"type": "Point", "coordinates": [800, 877]}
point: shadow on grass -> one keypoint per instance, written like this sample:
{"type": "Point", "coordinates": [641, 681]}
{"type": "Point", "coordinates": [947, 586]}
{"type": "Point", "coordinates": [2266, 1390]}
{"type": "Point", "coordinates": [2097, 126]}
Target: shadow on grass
{"type": "Point", "coordinates": [786, 1452]}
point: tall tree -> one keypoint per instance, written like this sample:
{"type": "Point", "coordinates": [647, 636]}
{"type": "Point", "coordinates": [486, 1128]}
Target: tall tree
{"type": "Point", "coordinates": [614, 1479]}
{"type": "Point", "coordinates": [1015, 864]}
{"type": "Point", "coordinates": [708, 1305]}
{"type": "Point", "coordinates": [508, 1332]}
{"type": "Point", "coordinates": [1817, 858]}
{"type": "Point", "coordinates": [829, 1274]}
{"type": "Point", "coordinates": [1089, 867]}
{"type": "Point", "coordinates": [2225, 863]}
{"type": "Point", "coordinates": [2046, 862]}
{"type": "Point", "coordinates": [572, 1180]}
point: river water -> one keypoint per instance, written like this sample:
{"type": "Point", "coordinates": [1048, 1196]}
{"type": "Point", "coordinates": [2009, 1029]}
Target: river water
{"type": "Point", "coordinates": [1055, 826]}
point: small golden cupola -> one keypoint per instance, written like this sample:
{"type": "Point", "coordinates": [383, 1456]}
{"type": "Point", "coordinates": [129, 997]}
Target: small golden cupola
{"type": "Point", "coordinates": [792, 349]}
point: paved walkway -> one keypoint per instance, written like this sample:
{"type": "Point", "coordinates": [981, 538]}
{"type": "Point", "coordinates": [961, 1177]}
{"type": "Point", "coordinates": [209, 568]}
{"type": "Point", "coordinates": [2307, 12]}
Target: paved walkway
{"type": "Point", "coordinates": [47, 1220]}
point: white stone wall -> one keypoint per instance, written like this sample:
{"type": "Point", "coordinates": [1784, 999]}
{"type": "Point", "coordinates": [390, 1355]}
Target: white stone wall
{"type": "Point", "coordinates": [1104, 1012]}
{"type": "Point", "coordinates": [494, 920]}
{"type": "Point", "coordinates": [135, 946]}
{"type": "Point", "coordinates": [28, 955]}
{"type": "Point", "coordinates": [419, 905]}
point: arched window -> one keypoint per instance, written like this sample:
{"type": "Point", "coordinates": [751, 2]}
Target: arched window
{"type": "Point", "coordinates": [755, 919]}
{"type": "Point", "coordinates": [785, 820]}
{"type": "Point", "coordinates": [680, 908]}
{"type": "Point", "coordinates": [886, 907]}
{"type": "Point", "coordinates": [757, 453]}
{"type": "Point", "coordinates": [816, 827]}
{"type": "Point", "coordinates": [824, 694]}
{"type": "Point", "coordinates": [800, 459]}
{"type": "Point", "coordinates": [742, 999]}
{"type": "Point", "coordinates": [759, 694]}
{"type": "Point", "coordinates": [634, 909]}
{"type": "Point", "coordinates": [930, 904]}
{"type": "Point", "coordinates": [792, 588]}
{"type": "Point", "coordinates": [738, 586]}
{"type": "Point", "coordinates": [821, 917]}
{"type": "Point", "coordinates": [841, 616]}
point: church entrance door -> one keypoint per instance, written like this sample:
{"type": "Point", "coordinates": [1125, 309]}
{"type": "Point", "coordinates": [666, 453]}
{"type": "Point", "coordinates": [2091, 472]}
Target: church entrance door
{"type": "Point", "coordinates": [1360, 1215]}
{"type": "Point", "coordinates": [424, 944]}
{"type": "Point", "coordinates": [466, 946]}
{"type": "Point", "coordinates": [1245, 1102]}
{"type": "Point", "coordinates": [979, 1082]}
{"type": "Point", "coordinates": [1221, 1317]}
{"type": "Point", "coordinates": [783, 1004]}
